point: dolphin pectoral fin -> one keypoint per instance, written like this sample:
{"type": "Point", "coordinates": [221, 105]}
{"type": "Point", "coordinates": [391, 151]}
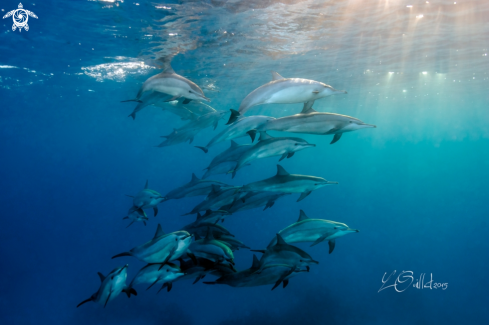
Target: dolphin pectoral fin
{"type": "Point", "coordinates": [303, 196]}
{"type": "Point", "coordinates": [84, 301]}
{"type": "Point", "coordinates": [336, 138]}
{"type": "Point", "coordinates": [163, 286]}
{"type": "Point", "coordinates": [169, 286]}
{"type": "Point", "coordinates": [234, 116]}
{"type": "Point", "coordinates": [122, 254]}
{"type": "Point", "coordinates": [290, 154]}
{"type": "Point", "coordinates": [319, 240]}
{"type": "Point", "coordinates": [106, 301]}
{"type": "Point", "coordinates": [307, 109]}
{"type": "Point", "coordinates": [285, 283]}
{"type": "Point", "coordinates": [277, 284]}
{"type": "Point", "coordinates": [331, 244]}
{"type": "Point", "coordinates": [155, 210]}
{"type": "Point", "coordinates": [283, 156]}
{"type": "Point", "coordinates": [204, 149]}
{"type": "Point", "coordinates": [101, 276]}
{"type": "Point", "coordinates": [131, 100]}
{"type": "Point", "coordinates": [186, 101]}
{"type": "Point", "coordinates": [130, 224]}
{"type": "Point", "coordinates": [125, 218]}
{"type": "Point", "coordinates": [252, 134]}
{"type": "Point", "coordinates": [191, 140]}
{"type": "Point", "coordinates": [172, 99]}
{"type": "Point", "coordinates": [152, 284]}
{"type": "Point", "coordinates": [144, 223]}
{"type": "Point", "coordinates": [192, 256]}
{"type": "Point", "coordinates": [215, 124]}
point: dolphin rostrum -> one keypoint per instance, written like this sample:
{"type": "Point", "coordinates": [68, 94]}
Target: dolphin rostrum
{"type": "Point", "coordinates": [168, 82]}
{"type": "Point", "coordinates": [146, 199]}
{"type": "Point", "coordinates": [162, 248]}
{"type": "Point", "coordinates": [269, 146]}
{"type": "Point", "coordinates": [288, 183]}
{"type": "Point", "coordinates": [112, 285]}
{"type": "Point", "coordinates": [286, 91]}
{"type": "Point", "coordinates": [314, 230]}
{"type": "Point", "coordinates": [310, 121]}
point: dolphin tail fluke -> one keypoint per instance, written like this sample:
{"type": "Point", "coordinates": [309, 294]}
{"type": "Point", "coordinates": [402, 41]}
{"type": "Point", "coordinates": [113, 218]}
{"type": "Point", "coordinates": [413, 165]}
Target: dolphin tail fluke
{"type": "Point", "coordinates": [336, 138]}
{"type": "Point", "coordinates": [234, 116]}
{"type": "Point", "coordinates": [122, 254]}
{"type": "Point", "coordinates": [204, 149]}
{"type": "Point", "coordinates": [84, 301]}
{"type": "Point", "coordinates": [283, 156]}
{"type": "Point", "coordinates": [133, 115]}
{"type": "Point", "coordinates": [129, 291]}
{"type": "Point", "coordinates": [252, 134]}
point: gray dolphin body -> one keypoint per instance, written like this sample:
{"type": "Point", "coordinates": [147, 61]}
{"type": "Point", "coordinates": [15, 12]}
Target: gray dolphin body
{"type": "Point", "coordinates": [286, 91]}
{"type": "Point", "coordinates": [204, 121]}
{"type": "Point", "coordinates": [212, 249]}
{"type": "Point", "coordinates": [162, 100]}
{"type": "Point", "coordinates": [146, 199]}
{"type": "Point", "coordinates": [238, 128]}
{"type": "Point", "coordinates": [314, 230]}
{"type": "Point", "coordinates": [221, 168]}
{"type": "Point", "coordinates": [288, 183]}
{"type": "Point", "coordinates": [112, 285]}
{"type": "Point", "coordinates": [233, 153]}
{"type": "Point", "coordinates": [155, 273]}
{"type": "Point", "coordinates": [253, 200]}
{"type": "Point", "coordinates": [232, 242]}
{"type": "Point", "coordinates": [310, 121]}
{"type": "Point", "coordinates": [168, 82]}
{"type": "Point", "coordinates": [269, 146]}
{"type": "Point", "coordinates": [136, 215]}
{"type": "Point", "coordinates": [162, 248]}
{"type": "Point", "coordinates": [217, 198]}
{"type": "Point", "coordinates": [200, 228]}
{"type": "Point", "coordinates": [195, 187]}
{"type": "Point", "coordinates": [212, 216]}
{"type": "Point", "coordinates": [177, 137]}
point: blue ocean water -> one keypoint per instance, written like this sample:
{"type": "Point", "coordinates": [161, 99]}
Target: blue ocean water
{"type": "Point", "coordinates": [415, 186]}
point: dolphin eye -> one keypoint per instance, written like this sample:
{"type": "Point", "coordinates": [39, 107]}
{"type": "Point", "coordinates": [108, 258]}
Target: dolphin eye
{"type": "Point", "coordinates": [190, 91]}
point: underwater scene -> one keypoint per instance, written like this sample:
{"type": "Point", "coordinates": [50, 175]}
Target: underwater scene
{"type": "Point", "coordinates": [244, 162]}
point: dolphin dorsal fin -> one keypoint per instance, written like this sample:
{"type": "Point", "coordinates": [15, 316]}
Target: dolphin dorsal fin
{"type": "Point", "coordinates": [264, 136]}
{"type": "Point", "coordinates": [215, 188]}
{"type": "Point", "coordinates": [281, 171]}
{"type": "Point", "coordinates": [233, 144]}
{"type": "Point", "coordinates": [276, 76]}
{"type": "Point", "coordinates": [256, 262]}
{"type": "Point", "coordinates": [166, 62]}
{"type": "Point", "coordinates": [194, 178]}
{"type": "Point", "coordinates": [209, 235]}
{"type": "Point", "coordinates": [307, 109]}
{"type": "Point", "coordinates": [207, 213]}
{"type": "Point", "coordinates": [146, 186]}
{"type": "Point", "coordinates": [280, 240]}
{"type": "Point", "coordinates": [101, 276]}
{"type": "Point", "coordinates": [159, 232]}
{"type": "Point", "coordinates": [302, 216]}
{"type": "Point", "coordinates": [199, 216]}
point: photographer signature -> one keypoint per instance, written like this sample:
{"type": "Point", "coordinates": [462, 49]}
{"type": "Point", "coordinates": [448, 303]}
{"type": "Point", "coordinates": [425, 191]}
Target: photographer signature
{"type": "Point", "coordinates": [406, 278]}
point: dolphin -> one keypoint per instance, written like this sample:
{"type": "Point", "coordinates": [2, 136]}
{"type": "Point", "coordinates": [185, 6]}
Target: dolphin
{"type": "Point", "coordinates": [212, 249]}
{"type": "Point", "coordinates": [112, 285]}
{"type": "Point", "coordinates": [154, 273]}
{"type": "Point", "coordinates": [204, 121]}
{"type": "Point", "coordinates": [161, 100]}
{"type": "Point", "coordinates": [314, 230]}
{"type": "Point", "coordinates": [232, 242]}
{"type": "Point", "coordinates": [309, 121]}
{"type": "Point", "coordinates": [221, 168]}
{"type": "Point", "coordinates": [253, 200]}
{"type": "Point", "coordinates": [218, 197]}
{"type": "Point", "coordinates": [168, 82]}
{"type": "Point", "coordinates": [286, 91]}
{"type": "Point", "coordinates": [195, 187]}
{"type": "Point", "coordinates": [162, 248]}
{"type": "Point", "coordinates": [212, 216]}
{"type": "Point", "coordinates": [201, 267]}
{"type": "Point", "coordinates": [136, 215]}
{"type": "Point", "coordinates": [231, 154]}
{"type": "Point", "coordinates": [146, 199]}
{"type": "Point", "coordinates": [269, 146]}
{"type": "Point", "coordinates": [177, 137]}
{"type": "Point", "coordinates": [288, 183]}
{"type": "Point", "coordinates": [284, 254]}
{"type": "Point", "coordinates": [238, 128]}
{"type": "Point", "coordinates": [199, 228]}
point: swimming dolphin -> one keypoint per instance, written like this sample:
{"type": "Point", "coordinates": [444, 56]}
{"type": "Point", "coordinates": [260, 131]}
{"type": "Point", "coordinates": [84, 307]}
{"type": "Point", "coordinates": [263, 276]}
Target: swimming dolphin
{"type": "Point", "coordinates": [232, 242]}
{"type": "Point", "coordinates": [178, 136]}
{"type": "Point", "coordinates": [162, 248]}
{"type": "Point", "coordinates": [156, 273]}
{"type": "Point", "coordinates": [222, 168]}
{"type": "Point", "coordinates": [195, 187]}
{"type": "Point", "coordinates": [284, 254]}
{"type": "Point", "coordinates": [269, 146]}
{"type": "Point", "coordinates": [146, 199]}
{"type": "Point", "coordinates": [314, 230]}
{"type": "Point", "coordinates": [112, 285]}
{"type": "Point", "coordinates": [286, 91]}
{"type": "Point", "coordinates": [237, 129]}
{"type": "Point", "coordinates": [212, 249]}
{"type": "Point", "coordinates": [136, 215]}
{"type": "Point", "coordinates": [217, 198]}
{"type": "Point", "coordinates": [204, 121]}
{"type": "Point", "coordinates": [253, 200]}
{"type": "Point", "coordinates": [288, 183]}
{"type": "Point", "coordinates": [199, 269]}
{"type": "Point", "coordinates": [168, 82]}
{"type": "Point", "coordinates": [199, 228]}
{"type": "Point", "coordinates": [212, 216]}
{"type": "Point", "coordinates": [233, 153]}
{"type": "Point", "coordinates": [310, 121]}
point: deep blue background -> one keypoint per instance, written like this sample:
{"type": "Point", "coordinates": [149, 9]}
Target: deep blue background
{"type": "Point", "coordinates": [415, 187]}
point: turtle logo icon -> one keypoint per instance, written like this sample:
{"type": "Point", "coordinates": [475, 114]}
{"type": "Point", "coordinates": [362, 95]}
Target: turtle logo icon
{"type": "Point", "coordinates": [20, 17]}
